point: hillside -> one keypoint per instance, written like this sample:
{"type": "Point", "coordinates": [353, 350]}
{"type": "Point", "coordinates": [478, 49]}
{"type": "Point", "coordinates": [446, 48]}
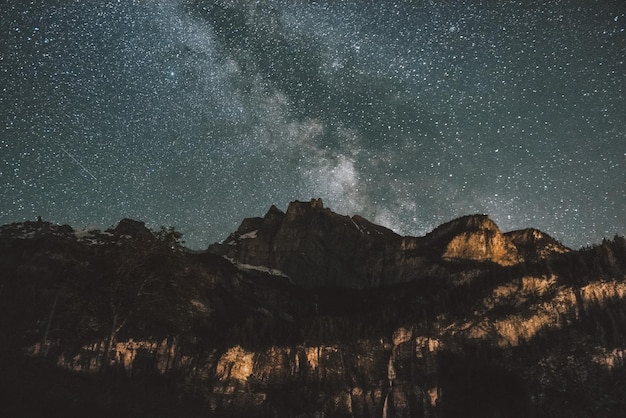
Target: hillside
{"type": "Point", "coordinates": [312, 314]}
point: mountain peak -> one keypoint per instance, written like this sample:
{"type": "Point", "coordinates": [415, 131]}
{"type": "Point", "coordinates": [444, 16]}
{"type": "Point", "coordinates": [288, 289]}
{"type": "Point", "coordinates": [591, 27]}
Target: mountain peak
{"type": "Point", "coordinates": [297, 208]}
{"type": "Point", "coordinates": [465, 223]}
{"type": "Point", "coordinates": [474, 237]}
{"type": "Point", "coordinates": [534, 244]}
{"type": "Point", "coordinates": [317, 247]}
{"type": "Point", "coordinates": [133, 228]}
{"type": "Point", "coordinates": [311, 244]}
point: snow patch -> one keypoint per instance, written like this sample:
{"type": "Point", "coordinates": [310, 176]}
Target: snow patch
{"type": "Point", "coordinates": [249, 235]}
{"type": "Point", "coordinates": [262, 269]}
{"type": "Point", "coordinates": [361, 230]}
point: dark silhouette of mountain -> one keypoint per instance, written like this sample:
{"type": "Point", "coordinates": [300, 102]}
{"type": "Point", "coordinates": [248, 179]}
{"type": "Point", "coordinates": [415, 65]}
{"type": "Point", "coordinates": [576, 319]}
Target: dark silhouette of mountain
{"type": "Point", "coordinates": [309, 313]}
{"type": "Point", "coordinates": [317, 247]}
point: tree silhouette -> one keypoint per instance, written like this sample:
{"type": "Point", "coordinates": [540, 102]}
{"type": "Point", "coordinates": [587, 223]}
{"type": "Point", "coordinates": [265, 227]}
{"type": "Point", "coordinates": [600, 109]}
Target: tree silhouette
{"type": "Point", "coordinates": [139, 283]}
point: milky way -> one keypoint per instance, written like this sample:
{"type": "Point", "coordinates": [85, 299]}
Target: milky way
{"type": "Point", "coordinates": [196, 114]}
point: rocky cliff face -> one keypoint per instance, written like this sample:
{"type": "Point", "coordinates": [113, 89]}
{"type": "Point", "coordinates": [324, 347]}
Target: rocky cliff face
{"type": "Point", "coordinates": [535, 245]}
{"type": "Point", "coordinates": [313, 246]}
{"type": "Point", "coordinates": [307, 313]}
{"type": "Point", "coordinates": [316, 247]}
{"type": "Point", "coordinates": [474, 237]}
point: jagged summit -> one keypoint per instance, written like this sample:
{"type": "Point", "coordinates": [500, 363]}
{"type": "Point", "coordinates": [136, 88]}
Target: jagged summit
{"type": "Point", "coordinates": [318, 247]}
{"type": "Point", "coordinates": [466, 223]}
{"type": "Point", "coordinates": [534, 244]}
{"type": "Point", "coordinates": [313, 245]}
{"type": "Point", "coordinates": [298, 206]}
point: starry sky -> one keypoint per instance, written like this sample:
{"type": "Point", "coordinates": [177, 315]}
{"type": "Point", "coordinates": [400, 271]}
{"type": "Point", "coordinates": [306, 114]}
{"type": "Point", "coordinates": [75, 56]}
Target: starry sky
{"type": "Point", "coordinates": [198, 113]}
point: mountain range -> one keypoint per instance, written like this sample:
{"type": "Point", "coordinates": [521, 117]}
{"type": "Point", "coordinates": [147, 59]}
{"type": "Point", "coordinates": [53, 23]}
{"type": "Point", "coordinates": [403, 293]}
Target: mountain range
{"type": "Point", "coordinates": [308, 313]}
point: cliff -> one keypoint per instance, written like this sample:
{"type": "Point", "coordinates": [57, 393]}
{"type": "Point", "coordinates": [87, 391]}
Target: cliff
{"type": "Point", "coordinates": [312, 314]}
{"type": "Point", "coordinates": [317, 247]}
{"type": "Point", "coordinates": [313, 246]}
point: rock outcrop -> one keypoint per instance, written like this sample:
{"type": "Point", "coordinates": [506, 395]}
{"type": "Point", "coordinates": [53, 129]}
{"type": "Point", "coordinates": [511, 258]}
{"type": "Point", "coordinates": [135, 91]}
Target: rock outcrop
{"type": "Point", "coordinates": [534, 245]}
{"type": "Point", "coordinates": [307, 313]}
{"type": "Point", "coordinates": [313, 246]}
{"type": "Point", "coordinates": [474, 237]}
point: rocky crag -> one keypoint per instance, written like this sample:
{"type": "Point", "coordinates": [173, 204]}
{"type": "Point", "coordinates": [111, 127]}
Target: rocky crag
{"type": "Point", "coordinates": [307, 313]}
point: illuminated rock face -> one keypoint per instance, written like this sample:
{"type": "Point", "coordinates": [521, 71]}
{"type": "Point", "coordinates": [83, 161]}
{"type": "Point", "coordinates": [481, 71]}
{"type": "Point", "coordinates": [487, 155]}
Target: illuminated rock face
{"type": "Point", "coordinates": [288, 318]}
{"type": "Point", "coordinates": [477, 238]}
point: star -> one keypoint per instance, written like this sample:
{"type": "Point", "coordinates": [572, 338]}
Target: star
{"type": "Point", "coordinates": [199, 114]}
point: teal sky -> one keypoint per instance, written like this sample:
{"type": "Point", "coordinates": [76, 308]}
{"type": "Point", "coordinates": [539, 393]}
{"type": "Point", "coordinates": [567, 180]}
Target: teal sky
{"type": "Point", "coordinates": [196, 114]}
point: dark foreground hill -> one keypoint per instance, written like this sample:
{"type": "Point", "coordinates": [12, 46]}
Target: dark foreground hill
{"type": "Point", "coordinates": [307, 313]}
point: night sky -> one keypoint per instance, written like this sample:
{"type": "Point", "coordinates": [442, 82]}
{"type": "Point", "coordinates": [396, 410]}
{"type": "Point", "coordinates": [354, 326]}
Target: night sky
{"type": "Point", "coordinates": [196, 114]}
